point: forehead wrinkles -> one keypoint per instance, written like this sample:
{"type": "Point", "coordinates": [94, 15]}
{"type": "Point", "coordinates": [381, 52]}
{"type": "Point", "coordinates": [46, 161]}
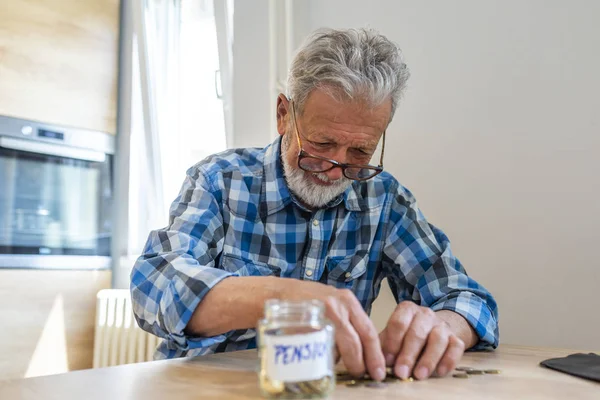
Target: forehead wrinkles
{"type": "Point", "coordinates": [358, 139]}
{"type": "Point", "coordinates": [358, 115]}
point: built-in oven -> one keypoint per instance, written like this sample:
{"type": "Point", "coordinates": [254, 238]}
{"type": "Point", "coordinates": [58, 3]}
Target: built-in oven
{"type": "Point", "coordinates": [56, 196]}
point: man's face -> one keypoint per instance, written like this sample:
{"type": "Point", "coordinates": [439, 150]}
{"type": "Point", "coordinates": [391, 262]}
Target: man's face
{"type": "Point", "coordinates": [347, 132]}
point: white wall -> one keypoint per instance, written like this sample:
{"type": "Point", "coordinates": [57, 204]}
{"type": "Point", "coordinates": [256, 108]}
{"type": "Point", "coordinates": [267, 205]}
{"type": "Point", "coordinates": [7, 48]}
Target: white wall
{"type": "Point", "coordinates": [498, 137]}
{"type": "Point", "coordinates": [251, 95]}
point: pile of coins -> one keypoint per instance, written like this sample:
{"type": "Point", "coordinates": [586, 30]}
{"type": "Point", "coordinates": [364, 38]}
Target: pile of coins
{"type": "Point", "coordinates": [306, 389]}
{"type": "Point", "coordinates": [344, 378]}
{"type": "Point", "coordinates": [465, 372]}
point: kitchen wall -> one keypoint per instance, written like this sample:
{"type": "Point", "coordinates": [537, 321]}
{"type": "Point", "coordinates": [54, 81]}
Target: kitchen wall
{"type": "Point", "coordinates": [497, 137]}
{"type": "Point", "coordinates": [47, 321]}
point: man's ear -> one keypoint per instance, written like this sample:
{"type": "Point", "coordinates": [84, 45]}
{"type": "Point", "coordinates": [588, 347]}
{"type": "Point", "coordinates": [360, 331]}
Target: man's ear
{"type": "Point", "coordinates": [283, 113]}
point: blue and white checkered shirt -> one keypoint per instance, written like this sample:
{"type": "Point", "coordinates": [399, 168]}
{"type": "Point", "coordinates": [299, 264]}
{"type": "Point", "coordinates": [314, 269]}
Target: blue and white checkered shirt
{"type": "Point", "coordinates": [235, 216]}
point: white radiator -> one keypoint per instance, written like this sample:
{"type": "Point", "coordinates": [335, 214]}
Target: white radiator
{"type": "Point", "coordinates": [117, 338]}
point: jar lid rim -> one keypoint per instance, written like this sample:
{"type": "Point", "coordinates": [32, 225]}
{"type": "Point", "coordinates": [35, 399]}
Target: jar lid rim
{"type": "Point", "coordinates": [273, 304]}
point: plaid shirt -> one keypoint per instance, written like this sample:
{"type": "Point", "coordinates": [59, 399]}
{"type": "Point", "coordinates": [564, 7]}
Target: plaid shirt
{"type": "Point", "coordinates": [235, 216]}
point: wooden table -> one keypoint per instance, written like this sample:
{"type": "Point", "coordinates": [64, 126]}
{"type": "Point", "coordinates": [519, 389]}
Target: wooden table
{"type": "Point", "coordinates": [233, 376]}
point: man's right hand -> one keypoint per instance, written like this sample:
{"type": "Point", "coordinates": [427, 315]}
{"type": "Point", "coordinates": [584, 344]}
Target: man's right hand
{"type": "Point", "coordinates": [356, 338]}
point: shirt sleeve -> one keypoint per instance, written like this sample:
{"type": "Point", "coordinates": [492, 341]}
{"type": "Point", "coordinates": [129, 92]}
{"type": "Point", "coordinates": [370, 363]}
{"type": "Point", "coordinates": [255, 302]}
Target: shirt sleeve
{"type": "Point", "coordinates": [177, 267]}
{"type": "Point", "coordinates": [420, 267]}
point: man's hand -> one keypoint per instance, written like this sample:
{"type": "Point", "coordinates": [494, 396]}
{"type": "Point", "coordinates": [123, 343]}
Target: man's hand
{"type": "Point", "coordinates": [243, 299]}
{"type": "Point", "coordinates": [420, 341]}
{"type": "Point", "coordinates": [356, 338]}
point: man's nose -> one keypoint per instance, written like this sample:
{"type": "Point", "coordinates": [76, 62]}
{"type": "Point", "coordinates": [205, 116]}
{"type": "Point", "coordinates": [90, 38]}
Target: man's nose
{"type": "Point", "coordinates": [334, 174]}
{"type": "Point", "coordinates": [337, 173]}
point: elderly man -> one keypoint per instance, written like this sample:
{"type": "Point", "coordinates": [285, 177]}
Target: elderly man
{"type": "Point", "coordinates": [310, 207]}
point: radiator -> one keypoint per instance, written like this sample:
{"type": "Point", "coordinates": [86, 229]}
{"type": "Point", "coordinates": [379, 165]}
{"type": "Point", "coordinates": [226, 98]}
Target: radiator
{"type": "Point", "coordinates": [117, 338]}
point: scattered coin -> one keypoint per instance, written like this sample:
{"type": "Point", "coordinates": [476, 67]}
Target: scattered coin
{"type": "Point", "coordinates": [353, 384]}
{"type": "Point", "coordinates": [465, 369]}
{"type": "Point", "coordinates": [475, 372]}
{"type": "Point", "coordinates": [409, 379]}
{"type": "Point", "coordinates": [461, 375]}
{"type": "Point", "coordinates": [492, 371]}
{"type": "Point", "coordinates": [377, 385]}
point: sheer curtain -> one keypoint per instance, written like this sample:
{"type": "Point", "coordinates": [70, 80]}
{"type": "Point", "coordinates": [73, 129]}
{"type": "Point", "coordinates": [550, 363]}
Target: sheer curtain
{"type": "Point", "coordinates": [172, 102]}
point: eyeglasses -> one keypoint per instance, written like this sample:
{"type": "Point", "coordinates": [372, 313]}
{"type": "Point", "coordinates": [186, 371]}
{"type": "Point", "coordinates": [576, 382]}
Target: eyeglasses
{"type": "Point", "coordinates": [316, 164]}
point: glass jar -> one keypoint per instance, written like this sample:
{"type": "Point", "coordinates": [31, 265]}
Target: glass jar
{"type": "Point", "coordinates": [295, 344]}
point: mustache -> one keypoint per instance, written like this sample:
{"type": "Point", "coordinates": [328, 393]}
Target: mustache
{"type": "Point", "coordinates": [323, 176]}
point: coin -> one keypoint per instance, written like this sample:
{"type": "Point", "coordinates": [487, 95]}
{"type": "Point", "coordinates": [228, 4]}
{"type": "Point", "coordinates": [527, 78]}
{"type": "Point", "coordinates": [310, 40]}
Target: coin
{"type": "Point", "coordinates": [465, 369]}
{"type": "Point", "coordinates": [320, 385]}
{"type": "Point", "coordinates": [273, 387]}
{"type": "Point", "coordinates": [409, 379]}
{"type": "Point", "coordinates": [377, 385]}
{"type": "Point", "coordinates": [475, 372]}
{"type": "Point", "coordinates": [462, 376]}
{"type": "Point", "coordinates": [306, 388]}
{"type": "Point", "coordinates": [292, 388]}
{"type": "Point", "coordinates": [492, 371]}
{"type": "Point", "coordinates": [353, 384]}
{"type": "Point", "coordinates": [309, 388]}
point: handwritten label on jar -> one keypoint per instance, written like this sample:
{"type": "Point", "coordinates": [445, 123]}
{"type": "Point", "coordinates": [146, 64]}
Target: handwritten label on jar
{"type": "Point", "coordinates": [295, 358]}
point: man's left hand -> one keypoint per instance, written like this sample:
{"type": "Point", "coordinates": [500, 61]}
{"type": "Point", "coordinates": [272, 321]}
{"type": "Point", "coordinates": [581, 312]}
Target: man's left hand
{"type": "Point", "coordinates": [418, 341]}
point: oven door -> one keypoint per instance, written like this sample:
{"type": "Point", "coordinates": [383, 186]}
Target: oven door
{"type": "Point", "coordinates": [55, 204]}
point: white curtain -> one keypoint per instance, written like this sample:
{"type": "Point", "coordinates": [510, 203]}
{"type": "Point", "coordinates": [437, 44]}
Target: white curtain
{"type": "Point", "coordinates": [172, 110]}
{"type": "Point", "coordinates": [148, 108]}
{"type": "Point", "coordinates": [223, 15]}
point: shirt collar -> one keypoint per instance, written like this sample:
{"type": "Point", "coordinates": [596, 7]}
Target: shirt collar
{"type": "Point", "coordinates": [276, 192]}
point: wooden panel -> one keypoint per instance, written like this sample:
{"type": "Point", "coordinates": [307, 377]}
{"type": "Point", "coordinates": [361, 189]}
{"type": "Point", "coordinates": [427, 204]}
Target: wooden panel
{"type": "Point", "coordinates": [233, 376]}
{"type": "Point", "coordinates": [47, 319]}
{"type": "Point", "coordinates": [58, 62]}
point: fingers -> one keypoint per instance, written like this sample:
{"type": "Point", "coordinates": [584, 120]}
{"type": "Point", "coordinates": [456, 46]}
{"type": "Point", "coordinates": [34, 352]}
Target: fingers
{"type": "Point", "coordinates": [336, 355]}
{"type": "Point", "coordinates": [356, 336]}
{"type": "Point", "coordinates": [427, 345]}
{"type": "Point", "coordinates": [373, 356]}
{"type": "Point", "coordinates": [397, 326]}
{"type": "Point", "coordinates": [347, 340]}
{"type": "Point", "coordinates": [350, 348]}
{"type": "Point", "coordinates": [452, 356]}
{"type": "Point", "coordinates": [414, 342]}
{"type": "Point", "coordinates": [437, 343]}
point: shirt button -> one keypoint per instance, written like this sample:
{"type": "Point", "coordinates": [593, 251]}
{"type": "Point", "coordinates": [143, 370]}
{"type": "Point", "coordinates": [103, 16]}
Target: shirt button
{"type": "Point", "coordinates": [315, 222]}
{"type": "Point", "coordinates": [309, 273]}
{"type": "Point", "coordinates": [348, 275]}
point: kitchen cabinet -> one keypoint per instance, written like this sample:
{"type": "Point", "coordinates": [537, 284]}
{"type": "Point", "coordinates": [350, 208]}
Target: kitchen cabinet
{"type": "Point", "coordinates": [47, 320]}
{"type": "Point", "coordinates": [59, 62]}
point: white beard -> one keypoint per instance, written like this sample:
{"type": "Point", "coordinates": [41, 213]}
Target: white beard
{"type": "Point", "coordinates": [309, 192]}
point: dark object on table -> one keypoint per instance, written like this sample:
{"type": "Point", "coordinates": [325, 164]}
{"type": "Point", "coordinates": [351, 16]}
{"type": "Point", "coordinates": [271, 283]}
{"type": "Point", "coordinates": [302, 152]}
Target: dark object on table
{"type": "Point", "coordinates": [582, 365]}
{"type": "Point", "coordinates": [461, 375]}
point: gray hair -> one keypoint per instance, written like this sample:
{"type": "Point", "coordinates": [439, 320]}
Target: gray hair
{"type": "Point", "coordinates": [352, 64]}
